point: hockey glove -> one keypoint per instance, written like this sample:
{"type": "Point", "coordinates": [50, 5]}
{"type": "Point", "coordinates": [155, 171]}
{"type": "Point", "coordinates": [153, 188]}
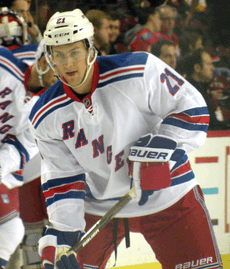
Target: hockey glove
{"type": "Point", "coordinates": [148, 166]}
{"type": "Point", "coordinates": [53, 247]}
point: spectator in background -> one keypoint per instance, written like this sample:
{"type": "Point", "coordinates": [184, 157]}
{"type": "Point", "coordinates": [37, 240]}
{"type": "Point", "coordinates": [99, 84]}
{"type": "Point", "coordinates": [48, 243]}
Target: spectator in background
{"type": "Point", "coordinates": [199, 72]}
{"type": "Point", "coordinates": [168, 16]}
{"type": "Point", "coordinates": [115, 45]}
{"type": "Point", "coordinates": [189, 10]}
{"type": "Point", "coordinates": [166, 51]}
{"type": "Point", "coordinates": [114, 27]}
{"type": "Point", "coordinates": [41, 13]}
{"type": "Point", "coordinates": [23, 8]}
{"type": "Point", "coordinates": [220, 91]}
{"type": "Point", "coordinates": [101, 21]}
{"type": "Point", "coordinates": [189, 41]}
{"type": "Point", "coordinates": [149, 35]}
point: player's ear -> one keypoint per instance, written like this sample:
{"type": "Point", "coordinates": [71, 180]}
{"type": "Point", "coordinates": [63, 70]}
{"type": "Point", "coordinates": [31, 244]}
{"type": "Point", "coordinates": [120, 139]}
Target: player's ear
{"type": "Point", "coordinates": [197, 68]}
{"type": "Point", "coordinates": [42, 63]}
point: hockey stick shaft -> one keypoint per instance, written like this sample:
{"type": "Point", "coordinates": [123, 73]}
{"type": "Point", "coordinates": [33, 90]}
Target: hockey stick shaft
{"type": "Point", "coordinates": [94, 230]}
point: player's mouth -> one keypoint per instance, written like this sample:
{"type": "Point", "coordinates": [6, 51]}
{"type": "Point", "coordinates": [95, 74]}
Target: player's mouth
{"type": "Point", "coordinates": [70, 74]}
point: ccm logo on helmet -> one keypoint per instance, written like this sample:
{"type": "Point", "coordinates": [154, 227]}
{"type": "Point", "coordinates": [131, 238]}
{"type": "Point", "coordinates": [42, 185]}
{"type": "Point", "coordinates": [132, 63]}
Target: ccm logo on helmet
{"type": "Point", "coordinates": [62, 34]}
{"type": "Point", "coordinates": [148, 154]}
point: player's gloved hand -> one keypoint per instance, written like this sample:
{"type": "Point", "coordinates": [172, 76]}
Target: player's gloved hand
{"type": "Point", "coordinates": [149, 166]}
{"type": "Point", "coordinates": [69, 260]}
{"type": "Point", "coordinates": [53, 248]}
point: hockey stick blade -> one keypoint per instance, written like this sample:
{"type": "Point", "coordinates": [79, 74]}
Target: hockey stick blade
{"type": "Point", "coordinates": [101, 223]}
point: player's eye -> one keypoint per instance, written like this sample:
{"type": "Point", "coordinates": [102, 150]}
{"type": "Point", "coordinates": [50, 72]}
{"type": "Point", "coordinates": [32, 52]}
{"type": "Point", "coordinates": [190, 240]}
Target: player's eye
{"type": "Point", "coordinates": [59, 55]}
{"type": "Point", "coordinates": [74, 53]}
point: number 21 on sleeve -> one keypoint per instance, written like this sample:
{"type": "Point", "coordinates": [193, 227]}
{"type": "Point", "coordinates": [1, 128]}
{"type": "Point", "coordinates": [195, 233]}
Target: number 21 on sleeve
{"type": "Point", "coordinates": [165, 77]}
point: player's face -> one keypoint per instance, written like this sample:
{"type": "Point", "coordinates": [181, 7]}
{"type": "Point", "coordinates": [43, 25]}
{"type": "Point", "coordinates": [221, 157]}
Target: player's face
{"type": "Point", "coordinates": [168, 18]}
{"type": "Point", "coordinates": [207, 69]}
{"type": "Point", "coordinates": [156, 21]}
{"type": "Point", "coordinates": [168, 55]}
{"type": "Point", "coordinates": [22, 7]}
{"type": "Point", "coordinates": [199, 44]}
{"type": "Point", "coordinates": [71, 61]}
{"type": "Point", "coordinates": [114, 30]}
{"type": "Point", "coordinates": [102, 34]}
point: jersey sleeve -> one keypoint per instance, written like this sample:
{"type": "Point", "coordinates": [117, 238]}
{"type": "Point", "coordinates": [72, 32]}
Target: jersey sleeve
{"type": "Point", "coordinates": [180, 106]}
{"type": "Point", "coordinates": [63, 180]}
{"type": "Point", "coordinates": [16, 151]}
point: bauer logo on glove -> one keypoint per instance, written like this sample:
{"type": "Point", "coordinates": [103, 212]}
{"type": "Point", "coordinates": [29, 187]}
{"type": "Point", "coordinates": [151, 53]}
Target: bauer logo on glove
{"type": "Point", "coordinates": [151, 148]}
{"type": "Point", "coordinates": [149, 167]}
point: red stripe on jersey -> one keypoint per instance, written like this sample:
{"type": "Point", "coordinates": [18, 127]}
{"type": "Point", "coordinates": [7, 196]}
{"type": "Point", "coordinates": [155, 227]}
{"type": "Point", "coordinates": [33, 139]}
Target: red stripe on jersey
{"type": "Point", "coordinates": [78, 186]}
{"type": "Point", "coordinates": [23, 54]}
{"type": "Point", "coordinates": [47, 106]}
{"type": "Point", "coordinates": [122, 71]}
{"type": "Point", "coordinates": [12, 67]}
{"type": "Point", "coordinates": [196, 119]}
{"type": "Point", "coordinates": [181, 170]}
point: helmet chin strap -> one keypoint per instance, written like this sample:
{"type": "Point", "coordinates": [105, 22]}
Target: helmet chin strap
{"type": "Point", "coordinates": [89, 66]}
{"type": "Point", "coordinates": [41, 73]}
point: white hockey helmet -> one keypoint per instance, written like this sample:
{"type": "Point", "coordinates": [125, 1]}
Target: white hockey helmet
{"type": "Point", "coordinates": [65, 28]}
{"type": "Point", "coordinates": [13, 29]}
{"type": "Point", "coordinates": [68, 27]}
{"type": "Point", "coordinates": [38, 55]}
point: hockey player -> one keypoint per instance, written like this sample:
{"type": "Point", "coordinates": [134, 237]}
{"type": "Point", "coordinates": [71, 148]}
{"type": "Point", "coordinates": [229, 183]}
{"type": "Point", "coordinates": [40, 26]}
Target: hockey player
{"type": "Point", "coordinates": [32, 210]}
{"type": "Point", "coordinates": [16, 78]}
{"type": "Point", "coordinates": [16, 143]}
{"type": "Point", "coordinates": [108, 117]}
{"type": "Point", "coordinates": [17, 147]}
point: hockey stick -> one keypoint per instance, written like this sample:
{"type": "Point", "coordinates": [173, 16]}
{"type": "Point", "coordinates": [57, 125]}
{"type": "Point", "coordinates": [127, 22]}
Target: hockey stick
{"type": "Point", "coordinates": [101, 223]}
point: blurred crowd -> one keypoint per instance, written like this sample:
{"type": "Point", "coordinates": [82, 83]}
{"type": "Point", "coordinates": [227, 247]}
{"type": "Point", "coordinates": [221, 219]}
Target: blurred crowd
{"type": "Point", "coordinates": [176, 31]}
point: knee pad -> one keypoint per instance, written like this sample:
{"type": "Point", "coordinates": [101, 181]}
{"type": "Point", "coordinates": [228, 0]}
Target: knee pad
{"type": "Point", "coordinates": [29, 246]}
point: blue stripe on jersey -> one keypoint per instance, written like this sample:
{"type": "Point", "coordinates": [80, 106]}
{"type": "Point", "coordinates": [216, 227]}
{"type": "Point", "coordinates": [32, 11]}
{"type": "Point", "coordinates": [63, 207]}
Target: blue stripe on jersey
{"type": "Point", "coordinates": [3, 263]}
{"type": "Point", "coordinates": [111, 62]}
{"type": "Point", "coordinates": [69, 238]}
{"type": "Point", "coordinates": [184, 125]}
{"type": "Point", "coordinates": [57, 106]}
{"type": "Point", "coordinates": [177, 155]}
{"type": "Point", "coordinates": [67, 195]}
{"type": "Point", "coordinates": [26, 48]}
{"type": "Point", "coordinates": [198, 111]}
{"type": "Point", "coordinates": [180, 161]}
{"type": "Point", "coordinates": [195, 112]}
{"type": "Point", "coordinates": [8, 55]}
{"type": "Point", "coordinates": [53, 183]}
{"type": "Point", "coordinates": [64, 188]}
{"type": "Point", "coordinates": [10, 71]}
{"type": "Point", "coordinates": [52, 93]}
{"type": "Point", "coordinates": [124, 77]}
{"type": "Point", "coordinates": [17, 177]}
{"type": "Point", "coordinates": [184, 178]}
{"type": "Point", "coordinates": [12, 140]}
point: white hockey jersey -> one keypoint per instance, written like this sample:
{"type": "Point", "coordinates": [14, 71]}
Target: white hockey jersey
{"type": "Point", "coordinates": [17, 145]}
{"type": "Point", "coordinates": [85, 143]}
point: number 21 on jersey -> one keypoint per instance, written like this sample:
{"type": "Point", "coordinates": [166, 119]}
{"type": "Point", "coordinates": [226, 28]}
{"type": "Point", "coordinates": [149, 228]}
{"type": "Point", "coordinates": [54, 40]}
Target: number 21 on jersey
{"type": "Point", "coordinates": [165, 78]}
